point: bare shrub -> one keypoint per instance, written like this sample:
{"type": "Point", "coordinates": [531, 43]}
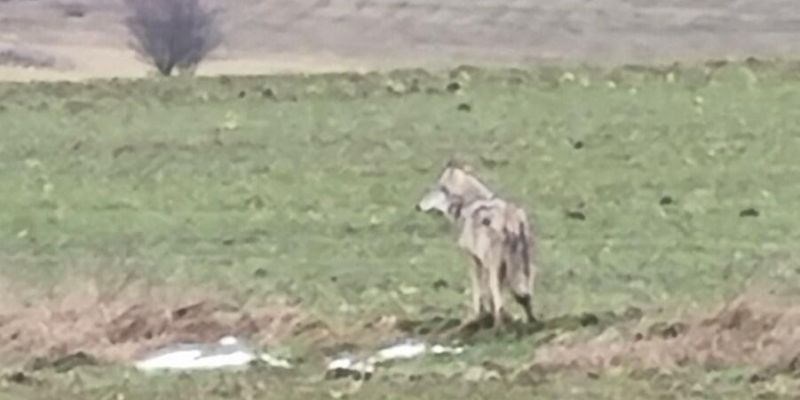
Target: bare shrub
{"type": "Point", "coordinates": [173, 34]}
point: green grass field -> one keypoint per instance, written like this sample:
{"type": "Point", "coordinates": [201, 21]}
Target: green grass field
{"type": "Point", "coordinates": [665, 192]}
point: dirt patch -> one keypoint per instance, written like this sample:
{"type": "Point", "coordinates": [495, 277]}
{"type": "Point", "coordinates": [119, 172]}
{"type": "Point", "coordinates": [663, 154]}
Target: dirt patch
{"type": "Point", "coordinates": [119, 324]}
{"type": "Point", "coordinates": [751, 330]}
{"type": "Point", "coordinates": [26, 58]}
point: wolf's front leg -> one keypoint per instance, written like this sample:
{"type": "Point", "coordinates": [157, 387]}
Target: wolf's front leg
{"type": "Point", "coordinates": [477, 288]}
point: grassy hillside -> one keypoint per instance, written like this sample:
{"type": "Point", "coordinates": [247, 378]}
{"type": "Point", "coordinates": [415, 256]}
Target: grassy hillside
{"type": "Point", "coordinates": [656, 190]}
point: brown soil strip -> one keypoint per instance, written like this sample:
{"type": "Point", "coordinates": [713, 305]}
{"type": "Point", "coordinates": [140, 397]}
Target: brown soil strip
{"type": "Point", "coordinates": [751, 330]}
{"type": "Point", "coordinates": [120, 324]}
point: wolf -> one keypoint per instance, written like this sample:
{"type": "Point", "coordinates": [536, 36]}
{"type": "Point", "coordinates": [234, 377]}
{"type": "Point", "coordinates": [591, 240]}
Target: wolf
{"type": "Point", "coordinates": [494, 232]}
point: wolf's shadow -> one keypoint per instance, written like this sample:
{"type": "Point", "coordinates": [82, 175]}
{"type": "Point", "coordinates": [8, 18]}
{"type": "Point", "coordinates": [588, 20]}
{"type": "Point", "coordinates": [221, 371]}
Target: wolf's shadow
{"type": "Point", "coordinates": [476, 330]}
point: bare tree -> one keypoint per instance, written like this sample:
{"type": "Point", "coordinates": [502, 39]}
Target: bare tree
{"type": "Point", "coordinates": [172, 34]}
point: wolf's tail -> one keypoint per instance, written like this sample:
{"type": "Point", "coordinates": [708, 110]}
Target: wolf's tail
{"type": "Point", "coordinates": [520, 270]}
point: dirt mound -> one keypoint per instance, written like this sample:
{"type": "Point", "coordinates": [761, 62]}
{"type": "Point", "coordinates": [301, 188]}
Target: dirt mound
{"type": "Point", "coordinates": [762, 333]}
{"type": "Point", "coordinates": [121, 324]}
{"type": "Point", "coordinates": [27, 58]}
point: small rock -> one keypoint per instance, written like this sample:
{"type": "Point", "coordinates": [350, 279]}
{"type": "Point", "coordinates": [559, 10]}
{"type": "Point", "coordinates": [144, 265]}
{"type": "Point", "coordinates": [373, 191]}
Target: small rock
{"type": "Point", "coordinates": [480, 374]}
{"type": "Point", "coordinates": [268, 93]}
{"type": "Point", "coordinates": [749, 212]}
{"type": "Point", "coordinates": [408, 290]}
{"type": "Point", "coordinates": [440, 284]}
{"type": "Point", "coordinates": [576, 215]}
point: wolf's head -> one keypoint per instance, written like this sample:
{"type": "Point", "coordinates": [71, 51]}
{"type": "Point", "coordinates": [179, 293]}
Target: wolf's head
{"type": "Point", "coordinates": [455, 187]}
